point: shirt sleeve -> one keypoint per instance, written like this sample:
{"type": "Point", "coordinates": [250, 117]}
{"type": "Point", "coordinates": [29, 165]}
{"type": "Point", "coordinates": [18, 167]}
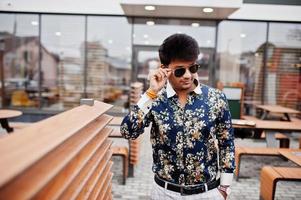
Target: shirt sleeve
{"type": "Point", "coordinates": [139, 117]}
{"type": "Point", "coordinates": [225, 138]}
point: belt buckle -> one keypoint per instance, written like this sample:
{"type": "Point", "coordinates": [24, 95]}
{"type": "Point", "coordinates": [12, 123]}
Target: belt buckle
{"type": "Point", "coordinates": [204, 188]}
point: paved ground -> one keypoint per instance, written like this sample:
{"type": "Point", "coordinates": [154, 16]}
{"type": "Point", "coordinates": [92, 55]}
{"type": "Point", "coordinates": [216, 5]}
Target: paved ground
{"type": "Point", "coordinates": [138, 188]}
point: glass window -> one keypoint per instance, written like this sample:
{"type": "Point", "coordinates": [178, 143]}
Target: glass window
{"type": "Point", "coordinates": [240, 57]}
{"type": "Point", "coordinates": [283, 73]}
{"type": "Point", "coordinates": [19, 59]}
{"type": "Point", "coordinates": [109, 54]}
{"type": "Point", "coordinates": [150, 33]}
{"type": "Point", "coordinates": [62, 63]}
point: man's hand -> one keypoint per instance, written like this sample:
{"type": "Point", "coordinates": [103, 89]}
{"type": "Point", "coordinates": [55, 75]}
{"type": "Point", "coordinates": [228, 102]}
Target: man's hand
{"type": "Point", "coordinates": [224, 194]}
{"type": "Point", "coordinates": [223, 189]}
{"type": "Point", "coordinates": [158, 79]}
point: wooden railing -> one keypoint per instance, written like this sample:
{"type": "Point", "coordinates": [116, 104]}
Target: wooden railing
{"type": "Point", "coordinates": [67, 156]}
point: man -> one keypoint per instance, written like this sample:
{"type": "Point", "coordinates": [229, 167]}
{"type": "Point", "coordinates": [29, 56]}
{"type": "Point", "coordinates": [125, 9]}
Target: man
{"type": "Point", "coordinates": [191, 134]}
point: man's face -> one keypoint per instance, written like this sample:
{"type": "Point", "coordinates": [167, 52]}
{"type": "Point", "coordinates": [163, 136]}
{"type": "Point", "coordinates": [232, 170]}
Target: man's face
{"type": "Point", "coordinates": [185, 81]}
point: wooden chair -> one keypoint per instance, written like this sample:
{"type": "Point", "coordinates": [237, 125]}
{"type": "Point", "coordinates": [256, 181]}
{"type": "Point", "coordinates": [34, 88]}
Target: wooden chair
{"type": "Point", "coordinates": [124, 153]}
{"type": "Point", "coordinates": [269, 177]}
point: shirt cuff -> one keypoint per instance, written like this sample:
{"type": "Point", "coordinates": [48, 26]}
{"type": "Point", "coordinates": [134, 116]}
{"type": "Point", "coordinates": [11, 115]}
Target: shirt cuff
{"type": "Point", "coordinates": [226, 178]}
{"type": "Point", "coordinates": [145, 103]}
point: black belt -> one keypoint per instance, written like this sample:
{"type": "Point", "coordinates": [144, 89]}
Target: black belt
{"type": "Point", "coordinates": [188, 190]}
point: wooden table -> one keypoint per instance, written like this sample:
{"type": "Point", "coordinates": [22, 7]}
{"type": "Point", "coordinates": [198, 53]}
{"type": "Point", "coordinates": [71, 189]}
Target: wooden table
{"type": "Point", "coordinates": [266, 109]}
{"type": "Point", "coordinates": [5, 115]}
{"type": "Point", "coordinates": [292, 154]}
{"type": "Point", "coordinates": [270, 127]}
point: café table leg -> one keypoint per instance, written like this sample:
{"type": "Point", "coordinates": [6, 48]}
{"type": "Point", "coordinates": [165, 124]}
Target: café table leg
{"type": "Point", "coordinates": [270, 139]}
{"type": "Point", "coordinates": [4, 124]}
{"type": "Point", "coordinates": [265, 114]}
{"type": "Point", "coordinates": [287, 117]}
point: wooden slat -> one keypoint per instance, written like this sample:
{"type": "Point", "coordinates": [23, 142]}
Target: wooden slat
{"type": "Point", "coordinates": [89, 154]}
{"type": "Point", "coordinates": [94, 178]}
{"type": "Point", "coordinates": [36, 141]}
{"type": "Point", "coordinates": [104, 191]}
{"type": "Point", "coordinates": [99, 185]}
{"type": "Point", "coordinates": [109, 192]}
{"type": "Point", "coordinates": [261, 151]}
{"type": "Point", "coordinates": [19, 125]}
{"type": "Point", "coordinates": [289, 172]}
{"type": "Point", "coordinates": [292, 154]}
{"type": "Point", "coordinates": [79, 187]}
{"type": "Point", "coordinates": [116, 121]}
{"type": "Point", "coordinates": [42, 172]}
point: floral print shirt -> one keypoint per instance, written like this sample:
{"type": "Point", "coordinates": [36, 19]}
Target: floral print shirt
{"type": "Point", "coordinates": [183, 138]}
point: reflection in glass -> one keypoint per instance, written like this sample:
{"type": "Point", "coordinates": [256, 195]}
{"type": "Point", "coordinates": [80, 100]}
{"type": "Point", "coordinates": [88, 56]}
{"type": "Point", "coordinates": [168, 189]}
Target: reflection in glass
{"type": "Point", "coordinates": [240, 57]}
{"type": "Point", "coordinates": [19, 59]}
{"type": "Point", "coordinates": [283, 85]}
{"type": "Point", "coordinates": [109, 60]}
{"type": "Point", "coordinates": [62, 64]}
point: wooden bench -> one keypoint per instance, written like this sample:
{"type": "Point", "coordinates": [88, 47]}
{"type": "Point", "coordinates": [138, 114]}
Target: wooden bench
{"type": "Point", "coordinates": [124, 153]}
{"type": "Point", "coordinates": [284, 141]}
{"type": "Point", "coordinates": [269, 177]}
{"type": "Point", "coordinates": [255, 151]}
{"type": "Point", "coordinates": [67, 156]}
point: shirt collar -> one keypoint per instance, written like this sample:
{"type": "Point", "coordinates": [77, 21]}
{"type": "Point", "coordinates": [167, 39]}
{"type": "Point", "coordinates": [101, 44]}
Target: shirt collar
{"type": "Point", "coordinates": [171, 92]}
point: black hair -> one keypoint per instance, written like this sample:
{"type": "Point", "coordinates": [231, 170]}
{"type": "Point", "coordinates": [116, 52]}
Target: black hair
{"type": "Point", "coordinates": [178, 47]}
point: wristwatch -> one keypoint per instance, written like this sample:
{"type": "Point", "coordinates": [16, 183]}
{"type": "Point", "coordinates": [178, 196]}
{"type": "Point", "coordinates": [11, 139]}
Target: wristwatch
{"type": "Point", "coordinates": [225, 189]}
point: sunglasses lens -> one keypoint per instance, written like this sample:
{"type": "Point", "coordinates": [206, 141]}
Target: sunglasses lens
{"type": "Point", "coordinates": [194, 68]}
{"type": "Point", "coordinates": [180, 72]}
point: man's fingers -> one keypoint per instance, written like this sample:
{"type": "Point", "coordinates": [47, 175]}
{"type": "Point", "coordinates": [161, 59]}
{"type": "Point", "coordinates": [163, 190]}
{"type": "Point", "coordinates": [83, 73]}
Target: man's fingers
{"type": "Point", "coordinates": [164, 71]}
{"type": "Point", "coordinates": [162, 74]}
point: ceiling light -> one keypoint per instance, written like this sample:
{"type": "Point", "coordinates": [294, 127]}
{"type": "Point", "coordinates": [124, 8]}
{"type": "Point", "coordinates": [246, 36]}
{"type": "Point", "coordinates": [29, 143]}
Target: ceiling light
{"type": "Point", "coordinates": [145, 36]}
{"type": "Point", "coordinates": [58, 33]}
{"type": "Point", "coordinates": [150, 23]}
{"type": "Point", "coordinates": [150, 8]}
{"type": "Point", "coordinates": [34, 23]}
{"type": "Point", "coordinates": [195, 24]}
{"type": "Point", "coordinates": [146, 42]}
{"type": "Point", "coordinates": [110, 41]}
{"type": "Point", "coordinates": [242, 35]}
{"type": "Point", "coordinates": [207, 10]}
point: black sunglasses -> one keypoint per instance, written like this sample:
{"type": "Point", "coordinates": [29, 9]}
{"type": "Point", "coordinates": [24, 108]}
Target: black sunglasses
{"type": "Point", "coordinates": [181, 71]}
